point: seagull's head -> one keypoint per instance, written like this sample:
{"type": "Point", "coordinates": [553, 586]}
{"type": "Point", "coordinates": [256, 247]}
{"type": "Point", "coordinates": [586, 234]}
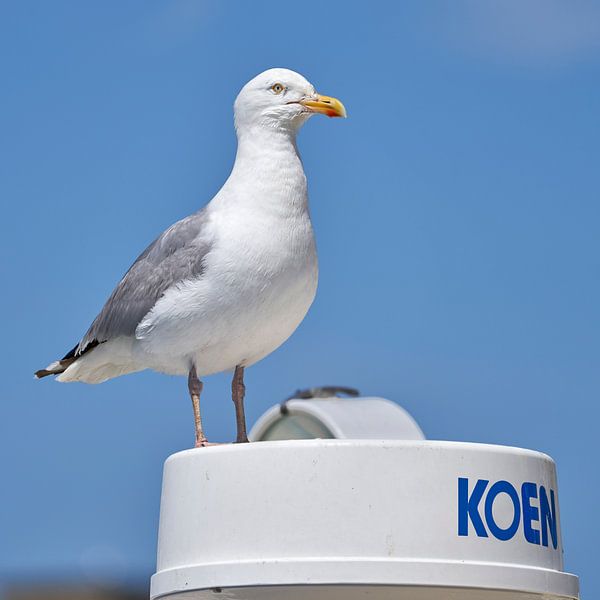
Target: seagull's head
{"type": "Point", "coordinates": [281, 99]}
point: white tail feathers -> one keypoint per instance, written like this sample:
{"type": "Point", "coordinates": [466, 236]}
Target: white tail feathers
{"type": "Point", "coordinates": [105, 361]}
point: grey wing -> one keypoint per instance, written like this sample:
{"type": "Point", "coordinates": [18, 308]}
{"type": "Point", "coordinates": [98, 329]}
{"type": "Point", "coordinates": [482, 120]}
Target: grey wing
{"type": "Point", "coordinates": [177, 254]}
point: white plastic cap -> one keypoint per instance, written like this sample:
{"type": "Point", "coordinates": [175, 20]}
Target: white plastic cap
{"type": "Point", "coordinates": [339, 418]}
{"type": "Point", "coordinates": [360, 519]}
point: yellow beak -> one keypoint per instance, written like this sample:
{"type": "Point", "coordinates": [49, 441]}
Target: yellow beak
{"type": "Point", "coordinates": [331, 107]}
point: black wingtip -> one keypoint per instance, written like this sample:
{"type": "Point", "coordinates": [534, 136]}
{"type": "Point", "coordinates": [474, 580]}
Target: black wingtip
{"type": "Point", "coordinates": [60, 366]}
{"type": "Point", "coordinates": [42, 373]}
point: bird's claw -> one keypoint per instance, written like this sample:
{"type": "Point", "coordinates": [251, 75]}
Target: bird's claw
{"type": "Point", "coordinates": [205, 443]}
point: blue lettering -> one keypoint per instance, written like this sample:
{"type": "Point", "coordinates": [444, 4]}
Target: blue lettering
{"type": "Point", "coordinates": [548, 517]}
{"type": "Point", "coordinates": [530, 513]}
{"type": "Point", "coordinates": [502, 487]}
{"type": "Point", "coordinates": [538, 517]}
{"type": "Point", "coordinates": [468, 506]}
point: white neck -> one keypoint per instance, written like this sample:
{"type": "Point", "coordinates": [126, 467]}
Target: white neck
{"type": "Point", "coordinates": [268, 170]}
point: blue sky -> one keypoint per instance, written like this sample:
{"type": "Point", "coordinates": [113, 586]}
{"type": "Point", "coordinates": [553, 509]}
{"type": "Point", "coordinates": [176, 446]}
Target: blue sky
{"type": "Point", "coordinates": [456, 211]}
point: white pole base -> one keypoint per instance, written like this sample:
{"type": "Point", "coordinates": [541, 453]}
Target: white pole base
{"type": "Point", "coordinates": [333, 519]}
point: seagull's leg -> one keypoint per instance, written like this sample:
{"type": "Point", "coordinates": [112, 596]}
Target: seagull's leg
{"type": "Point", "coordinates": [238, 390]}
{"type": "Point", "coordinates": [195, 388]}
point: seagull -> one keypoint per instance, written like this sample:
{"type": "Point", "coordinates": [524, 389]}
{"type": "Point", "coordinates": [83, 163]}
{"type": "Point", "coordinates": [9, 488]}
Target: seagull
{"type": "Point", "coordinates": [224, 287]}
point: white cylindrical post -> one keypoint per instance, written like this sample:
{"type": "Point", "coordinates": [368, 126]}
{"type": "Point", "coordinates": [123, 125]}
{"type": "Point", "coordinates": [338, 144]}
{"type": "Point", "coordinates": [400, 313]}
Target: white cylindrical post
{"type": "Point", "coordinates": [329, 519]}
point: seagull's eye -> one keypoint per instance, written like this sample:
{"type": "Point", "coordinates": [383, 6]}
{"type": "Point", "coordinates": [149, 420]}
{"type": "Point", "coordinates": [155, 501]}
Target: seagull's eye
{"type": "Point", "coordinates": [277, 88]}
